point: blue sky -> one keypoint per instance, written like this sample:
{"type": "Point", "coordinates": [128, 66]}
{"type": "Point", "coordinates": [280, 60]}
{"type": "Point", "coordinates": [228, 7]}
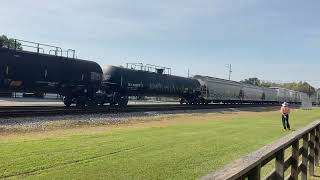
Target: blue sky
{"type": "Point", "coordinates": [270, 39]}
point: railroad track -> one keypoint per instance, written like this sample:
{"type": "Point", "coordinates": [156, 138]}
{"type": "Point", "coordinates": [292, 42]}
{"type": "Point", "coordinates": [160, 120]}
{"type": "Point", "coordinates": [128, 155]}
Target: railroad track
{"type": "Point", "coordinates": [32, 111]}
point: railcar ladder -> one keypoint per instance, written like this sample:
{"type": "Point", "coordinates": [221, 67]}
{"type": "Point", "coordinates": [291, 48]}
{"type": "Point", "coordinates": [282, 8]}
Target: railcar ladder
{"type": "Point", "coordinates": [204, 90]}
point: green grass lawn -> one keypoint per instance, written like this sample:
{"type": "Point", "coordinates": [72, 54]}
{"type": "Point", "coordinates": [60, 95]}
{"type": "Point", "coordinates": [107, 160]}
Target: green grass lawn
{"type": "Point", "coordinates": [173, 151]}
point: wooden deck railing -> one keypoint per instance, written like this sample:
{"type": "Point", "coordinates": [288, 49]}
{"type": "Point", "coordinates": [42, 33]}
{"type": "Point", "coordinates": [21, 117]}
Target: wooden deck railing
{"type": "Point", "coordinates": [303, 142]}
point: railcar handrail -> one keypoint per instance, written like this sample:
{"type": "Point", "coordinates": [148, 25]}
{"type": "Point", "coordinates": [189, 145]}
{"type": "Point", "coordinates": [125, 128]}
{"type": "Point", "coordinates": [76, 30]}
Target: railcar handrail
{"type": "Point", "coordinates": [250, 165]}
{"type": "Point", "coordinates": [149, 68]}
{"type": "Point", "coordinates": [41, 48]}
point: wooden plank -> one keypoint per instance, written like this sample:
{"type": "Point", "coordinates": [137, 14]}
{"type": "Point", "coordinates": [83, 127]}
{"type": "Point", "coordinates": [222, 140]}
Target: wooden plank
{"type": "Point", "coordinates": [254, 174]}
{"type": "Point", "coordinates": [295, 160]}
{"type": "Point", "coordinates": [267, 160]}
{"type": "Point", "coordinates": [287, 163]}
{"type": "Point", "coordinates": [304, 170]}
{"type": "Point", "coordinates": [242, 166]}
{"type": "Point", "coordinates": [280, 164]}
{"type": "Point", "coordinates": [312, 153]}
{"type": "Point", "coordinates": [300, 168]}
{"type": "Point", "coordinates": [288, 178]}
{"type": "Point", "coordinates": [244, 177]}
{"type": "Point", "coordinates": [271, 175]}
{"type": "Point", "coordinates": [316, 158]}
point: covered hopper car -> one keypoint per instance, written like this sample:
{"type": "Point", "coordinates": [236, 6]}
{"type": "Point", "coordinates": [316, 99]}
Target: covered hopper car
{"type": "Point", "coordinates": [224, 91]}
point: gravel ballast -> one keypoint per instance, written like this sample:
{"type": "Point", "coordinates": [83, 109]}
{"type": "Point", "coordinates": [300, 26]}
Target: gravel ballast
{"type": "Point", "coordinates": [69, 121]}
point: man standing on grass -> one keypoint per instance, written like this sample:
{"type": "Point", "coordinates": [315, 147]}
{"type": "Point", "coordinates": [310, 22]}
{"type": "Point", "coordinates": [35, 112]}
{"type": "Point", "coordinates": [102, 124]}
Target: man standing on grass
{"type": "Point", "coordinates": [285, 111]}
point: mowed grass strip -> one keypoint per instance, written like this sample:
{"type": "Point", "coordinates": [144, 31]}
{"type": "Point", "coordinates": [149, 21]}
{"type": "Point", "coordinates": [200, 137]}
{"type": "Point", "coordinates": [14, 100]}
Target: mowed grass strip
{"type": "Point", "coordinates": [175, 147]}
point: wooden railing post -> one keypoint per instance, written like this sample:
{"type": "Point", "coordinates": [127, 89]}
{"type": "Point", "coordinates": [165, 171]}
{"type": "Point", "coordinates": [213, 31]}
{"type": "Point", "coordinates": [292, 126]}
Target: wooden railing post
{"type": "Point", "coordinates": [312, 153]}
{"type": "Point", "coordinates": [280, 164]}
{"type": "Point", "coordinates": [255, 173]}
{"type": "Point", "coordinates": [295, 160]}
{"type": "Point", "coordinates": [316, 159]}
{"type": "Point", "coordinates": [304, 170]}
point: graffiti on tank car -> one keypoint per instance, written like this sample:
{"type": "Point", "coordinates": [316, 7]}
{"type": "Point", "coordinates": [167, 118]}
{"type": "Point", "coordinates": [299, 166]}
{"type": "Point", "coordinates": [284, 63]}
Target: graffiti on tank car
{"type": "Point", "coordinates": [15, 83]}
{"type": "Point", "coordinates": [106, 77]}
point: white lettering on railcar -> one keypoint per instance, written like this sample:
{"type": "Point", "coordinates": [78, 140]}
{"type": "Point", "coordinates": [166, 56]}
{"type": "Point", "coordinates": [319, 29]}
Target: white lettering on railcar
{"type": "Point", "coordinates": [135, 85]}
{"type": "Point", "coordinates": [48, 83]}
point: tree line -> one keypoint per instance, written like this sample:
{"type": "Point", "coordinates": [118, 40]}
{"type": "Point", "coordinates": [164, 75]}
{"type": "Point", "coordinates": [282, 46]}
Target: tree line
{"type": "Point", "coordinates": [296, 86]}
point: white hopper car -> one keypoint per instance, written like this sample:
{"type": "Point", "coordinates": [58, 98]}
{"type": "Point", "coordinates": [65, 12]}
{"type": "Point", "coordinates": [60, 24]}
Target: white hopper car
{"type": "Point", "coordinates": [215, 90]}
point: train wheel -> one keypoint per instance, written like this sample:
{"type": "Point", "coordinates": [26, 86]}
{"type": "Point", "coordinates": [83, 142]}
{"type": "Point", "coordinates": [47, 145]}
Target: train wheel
{"type": "Point", "coordinates": [92, 104]}
{"type": "Point", "coordinates": [123, 101]}
{"type": "Point", "coordinates": [81, 102]}
{"type": "Point", "coordinates": [182, 101]}
{"type": "Point", "coordinates": [67, 102]}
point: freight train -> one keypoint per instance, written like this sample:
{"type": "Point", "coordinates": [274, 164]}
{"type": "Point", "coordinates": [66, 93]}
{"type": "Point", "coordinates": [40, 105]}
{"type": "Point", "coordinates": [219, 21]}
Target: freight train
{"type": "Point", "coordinates": [86, 83]}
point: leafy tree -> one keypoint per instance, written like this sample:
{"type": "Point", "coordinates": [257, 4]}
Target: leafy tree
{"type": "Point", "coordinates": [301, 86]}
{"type": "Point", "coordinates": [253, 81]}
{"type": "Point", "coordinates": [270, 84]}
{"type": "Point", "coordinates": [6, 42]}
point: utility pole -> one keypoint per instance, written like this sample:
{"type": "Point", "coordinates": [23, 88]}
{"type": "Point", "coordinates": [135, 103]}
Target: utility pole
{"type": "Point", "coordinates": [229, 66]}
{"type": "Point", "coordinates": [188, 73]}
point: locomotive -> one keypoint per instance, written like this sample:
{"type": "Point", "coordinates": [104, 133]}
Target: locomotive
{"type": "Point", "coordinates": [86, 83]}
